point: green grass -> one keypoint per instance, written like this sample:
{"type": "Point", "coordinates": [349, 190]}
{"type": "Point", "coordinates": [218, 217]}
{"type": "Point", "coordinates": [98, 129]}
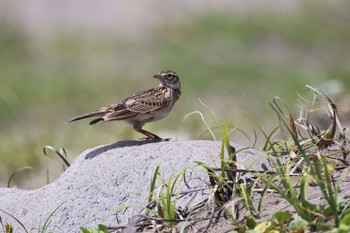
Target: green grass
{"type": "Point", "coordinates": [232, 62]}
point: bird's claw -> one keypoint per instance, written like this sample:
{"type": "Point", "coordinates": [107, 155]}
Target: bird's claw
{"type": "Point", "coordinates": [156, 139]}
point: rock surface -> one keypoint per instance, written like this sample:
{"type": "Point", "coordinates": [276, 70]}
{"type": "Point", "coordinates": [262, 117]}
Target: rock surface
{"type": "Point", "coordinates": [104, 178]}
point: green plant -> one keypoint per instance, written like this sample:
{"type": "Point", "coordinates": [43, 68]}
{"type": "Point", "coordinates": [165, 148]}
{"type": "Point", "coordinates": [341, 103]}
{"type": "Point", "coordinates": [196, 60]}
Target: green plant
{"type": "Point", "coordinates": [15, 173]}
{"type": "Point", "coordinates": [41, 229]}
{"type": "Point", "coordinates": [165, 203]}
{"type": "Point", "coordinates": [99, 229]}
{"type": "Point", "coordinates": [167, 195]}
{"type": "Point", "coordinates": [61, 153]}
{"type": "Point", "coordinates": [7, 228]}
{"type": "Point", "coordinates": [161, 203]}
{"type": "Point", "coordinates": [304, 154]}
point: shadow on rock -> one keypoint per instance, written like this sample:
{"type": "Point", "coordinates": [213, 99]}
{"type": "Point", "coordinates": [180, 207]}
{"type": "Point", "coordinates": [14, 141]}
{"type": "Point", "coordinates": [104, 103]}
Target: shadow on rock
{"type": "Point", "coordinates": [115, 145]}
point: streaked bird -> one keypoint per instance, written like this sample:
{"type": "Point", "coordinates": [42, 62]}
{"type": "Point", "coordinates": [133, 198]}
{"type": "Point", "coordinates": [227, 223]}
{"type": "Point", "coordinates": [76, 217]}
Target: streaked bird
{"type": "Point", "coordinates": [142, 107]}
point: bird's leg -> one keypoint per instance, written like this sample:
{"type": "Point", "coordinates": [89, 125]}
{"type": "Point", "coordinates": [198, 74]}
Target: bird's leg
{"type": "Point", "coordinates": [150, 136]}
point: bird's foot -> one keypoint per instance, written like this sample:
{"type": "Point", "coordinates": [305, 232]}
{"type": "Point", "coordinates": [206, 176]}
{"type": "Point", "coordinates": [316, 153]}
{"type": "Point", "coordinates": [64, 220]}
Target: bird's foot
{"type": "Point", "coordinates": [156, 139]}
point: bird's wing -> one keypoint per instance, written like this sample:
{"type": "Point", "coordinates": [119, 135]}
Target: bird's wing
{"type": "Point", "coordinates": [139, 103]}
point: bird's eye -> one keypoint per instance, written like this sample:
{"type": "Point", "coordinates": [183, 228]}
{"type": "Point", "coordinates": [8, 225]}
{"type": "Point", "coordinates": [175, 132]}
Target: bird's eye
{"type": "Point", "coordinates": [168, 75]}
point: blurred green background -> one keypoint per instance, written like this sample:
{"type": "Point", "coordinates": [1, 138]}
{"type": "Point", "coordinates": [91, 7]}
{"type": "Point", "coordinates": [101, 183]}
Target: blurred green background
{"type": "Point", "coordinates": [233, 60]}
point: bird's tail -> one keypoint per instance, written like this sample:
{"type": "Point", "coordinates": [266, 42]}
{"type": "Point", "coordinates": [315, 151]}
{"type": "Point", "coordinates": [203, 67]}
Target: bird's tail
{"type": "Point", "coordinates": [87, 115]}
{"type": "Point", "coordinates": [97, 120]}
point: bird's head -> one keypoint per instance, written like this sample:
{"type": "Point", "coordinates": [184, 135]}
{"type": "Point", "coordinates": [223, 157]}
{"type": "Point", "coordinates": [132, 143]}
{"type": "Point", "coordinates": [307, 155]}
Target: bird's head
{"type": "Point", "coordinates": [169, 79]}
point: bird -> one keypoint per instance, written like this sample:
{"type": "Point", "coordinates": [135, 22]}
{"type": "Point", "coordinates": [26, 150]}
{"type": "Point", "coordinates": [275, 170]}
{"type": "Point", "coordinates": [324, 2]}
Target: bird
{"type": "Point", "coordinates": [142, 107]}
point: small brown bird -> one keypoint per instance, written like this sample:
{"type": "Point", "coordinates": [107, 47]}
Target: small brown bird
{"type": "Point", "coordinates": [142, 107]}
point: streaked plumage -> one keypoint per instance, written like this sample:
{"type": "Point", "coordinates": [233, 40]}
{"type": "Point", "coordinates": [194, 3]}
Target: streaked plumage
{"type": "Point", "coordinates": [142, 107]}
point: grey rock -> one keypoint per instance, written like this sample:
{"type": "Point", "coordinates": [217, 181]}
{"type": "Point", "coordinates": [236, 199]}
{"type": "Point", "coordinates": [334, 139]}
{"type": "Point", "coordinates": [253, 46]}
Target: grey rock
{"type": "Point", "coordinates": [104, 178]}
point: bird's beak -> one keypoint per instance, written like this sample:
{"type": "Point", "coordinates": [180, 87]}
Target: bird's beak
{"type": "Point", "coordinates": [157, 76]}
